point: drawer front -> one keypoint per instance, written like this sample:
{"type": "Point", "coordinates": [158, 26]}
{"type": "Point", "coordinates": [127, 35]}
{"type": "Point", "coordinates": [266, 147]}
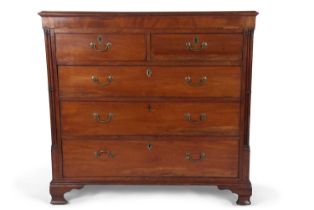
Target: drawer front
{"type": "Point", "coordinates": [201, 158]}
{"type": "Point", "coordinates": [95, 48]}
{"type": "Point", "coordinates": [140, 118]}
{"type": "Point", "coordinates": [177, 81]}
{"type": "Point", "coordinates": [221, 48]}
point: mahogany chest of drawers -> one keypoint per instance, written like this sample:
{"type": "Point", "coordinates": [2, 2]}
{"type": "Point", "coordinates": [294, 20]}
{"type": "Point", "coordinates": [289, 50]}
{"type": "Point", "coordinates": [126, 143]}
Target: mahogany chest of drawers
{"type": "Point", "coordinates": [149, 98]}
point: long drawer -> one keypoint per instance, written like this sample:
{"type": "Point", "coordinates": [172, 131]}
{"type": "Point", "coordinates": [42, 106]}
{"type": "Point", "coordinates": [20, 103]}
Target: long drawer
{"type": "Point", "coordinates": [200, 158]}
{"type": "Point", "coordinates": [96, 48]}
{"type": "Point", "coordinates": [139, 81]}
{"type": "Point", "coordinates": [157, 118]}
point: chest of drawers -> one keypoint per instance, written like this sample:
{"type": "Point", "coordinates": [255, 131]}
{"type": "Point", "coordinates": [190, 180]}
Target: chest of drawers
{"type": "Point", "coordinates": [149, 98]}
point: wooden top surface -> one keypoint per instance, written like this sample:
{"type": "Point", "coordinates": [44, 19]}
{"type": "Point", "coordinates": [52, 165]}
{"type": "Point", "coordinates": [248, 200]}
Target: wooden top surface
{"type": "Point", "coordinates": [96, 14]}
{"type": "Point", "coordinates": [149, 20]}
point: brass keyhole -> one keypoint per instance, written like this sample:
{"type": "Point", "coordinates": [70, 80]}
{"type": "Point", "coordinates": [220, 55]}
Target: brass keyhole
{"type": "Point", "coordinates": [149, 72]}
{"type": "Point", "coordinates": [196, 39]}
{"type": "Point", "coordinates": [149, 147]}
{"type": "Point", "coordinates": [99, 39]}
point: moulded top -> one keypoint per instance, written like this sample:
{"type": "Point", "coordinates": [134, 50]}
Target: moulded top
{"type": "Point", "coordinates": [93, 14]}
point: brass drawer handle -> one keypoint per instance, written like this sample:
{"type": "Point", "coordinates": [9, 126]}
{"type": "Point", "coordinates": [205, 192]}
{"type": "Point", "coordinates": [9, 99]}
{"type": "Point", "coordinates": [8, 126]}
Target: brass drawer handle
{"type": "Point", "coordinates": [102, 84]}
{"type": "Point", "coordinates": [188, 117]}
{"type": "Point", "coordinates": [107, 120]}
{"type": "Point", "coordinates": [100, 47]}
{"type": "Point", "coordinates": [202, 156]}
{"type": "Point", "coordinates": [201, 82]}
{"type": "Point", "coordinates": [192, 47]}
{"type": "Point", "coordinates": [101, 152]}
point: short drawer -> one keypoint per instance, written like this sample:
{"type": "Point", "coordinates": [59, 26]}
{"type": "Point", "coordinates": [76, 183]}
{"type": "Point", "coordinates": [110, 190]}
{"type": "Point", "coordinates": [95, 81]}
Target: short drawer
{"type": "Point", "coordinates": [199, 158]}
{"type": "Point", "coordinates": [179, 81]}
{"type": "Point", "coordinates": [98, 48]}
{"type": "Point", "coordinates": [157, 118]}
{"type": "Point", "coordinates": [220, 48]}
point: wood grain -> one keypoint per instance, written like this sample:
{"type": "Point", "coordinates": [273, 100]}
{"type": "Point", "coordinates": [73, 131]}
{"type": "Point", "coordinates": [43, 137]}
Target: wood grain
{"type": "Point", "coordinates": [165, 158]}
{"type": "Point", "coordinates": [160, 119]}
{"type": "Point", "coordinates": [149, 20]}
{"type": "Point", "coordinates": [224, 48]}
{"type": "Point", "coordinates": [75, 81]}
{"type": "Point", "coordinates": [75, 48]}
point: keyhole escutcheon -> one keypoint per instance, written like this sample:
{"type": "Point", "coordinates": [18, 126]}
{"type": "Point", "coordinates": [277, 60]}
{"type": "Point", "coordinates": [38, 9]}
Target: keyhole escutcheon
{"type": "Point", "coordinates": [149, 108]}
{"type": "Point", "coordinates": [149, 147]}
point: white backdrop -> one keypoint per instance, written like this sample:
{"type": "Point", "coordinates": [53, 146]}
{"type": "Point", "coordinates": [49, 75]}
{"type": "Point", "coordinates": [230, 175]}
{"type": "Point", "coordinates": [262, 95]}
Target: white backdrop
{"type": "Point", "coordinates": [281, 121]}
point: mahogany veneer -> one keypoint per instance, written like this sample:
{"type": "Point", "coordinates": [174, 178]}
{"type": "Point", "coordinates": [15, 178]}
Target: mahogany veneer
{"type": "Point", "coordinates": [149, 98]}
